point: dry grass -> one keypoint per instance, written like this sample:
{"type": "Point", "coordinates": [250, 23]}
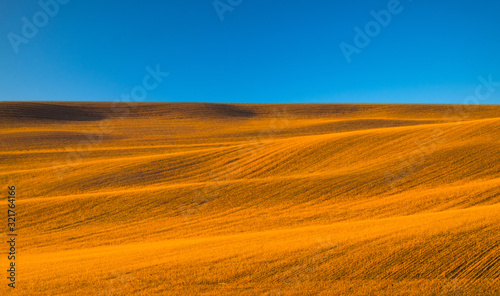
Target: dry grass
{"type": "Point", "coordinates": [213, 199]}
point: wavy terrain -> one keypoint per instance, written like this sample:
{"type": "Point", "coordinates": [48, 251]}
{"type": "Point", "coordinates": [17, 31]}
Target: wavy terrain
{"type": "Point", "coordinates": [236, 199]}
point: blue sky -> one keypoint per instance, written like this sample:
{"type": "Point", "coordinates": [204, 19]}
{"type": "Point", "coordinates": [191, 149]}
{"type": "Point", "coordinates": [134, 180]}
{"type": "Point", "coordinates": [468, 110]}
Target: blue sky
{"type": "Point", "coordinates": [250, 51]}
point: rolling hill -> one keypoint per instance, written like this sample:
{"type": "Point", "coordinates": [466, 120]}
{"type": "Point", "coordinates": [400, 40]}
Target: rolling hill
{"type": "Point", "coordinates": [242, 199]}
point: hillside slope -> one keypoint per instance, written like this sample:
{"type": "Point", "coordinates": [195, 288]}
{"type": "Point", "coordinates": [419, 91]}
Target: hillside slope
{"type": "Point", "coordinates": [220, 199]}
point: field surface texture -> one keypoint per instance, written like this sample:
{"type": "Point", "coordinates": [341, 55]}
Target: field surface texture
{"type": "Point", "coordinates": [236, 199]}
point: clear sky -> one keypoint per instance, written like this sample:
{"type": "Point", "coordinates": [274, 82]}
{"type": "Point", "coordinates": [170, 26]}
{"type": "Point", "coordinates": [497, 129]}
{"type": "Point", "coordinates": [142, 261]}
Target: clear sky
{"type": "Point", "coordinates": [251, 50]}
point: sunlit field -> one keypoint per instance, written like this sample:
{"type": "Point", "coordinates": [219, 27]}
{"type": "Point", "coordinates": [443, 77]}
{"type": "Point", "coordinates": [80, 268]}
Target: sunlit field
{"type": "Point", "coordinates": [237, 199]}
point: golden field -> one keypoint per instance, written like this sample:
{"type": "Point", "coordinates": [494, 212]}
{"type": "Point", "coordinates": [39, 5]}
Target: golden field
{"type": "Point", "coordinates": [236, 199]}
